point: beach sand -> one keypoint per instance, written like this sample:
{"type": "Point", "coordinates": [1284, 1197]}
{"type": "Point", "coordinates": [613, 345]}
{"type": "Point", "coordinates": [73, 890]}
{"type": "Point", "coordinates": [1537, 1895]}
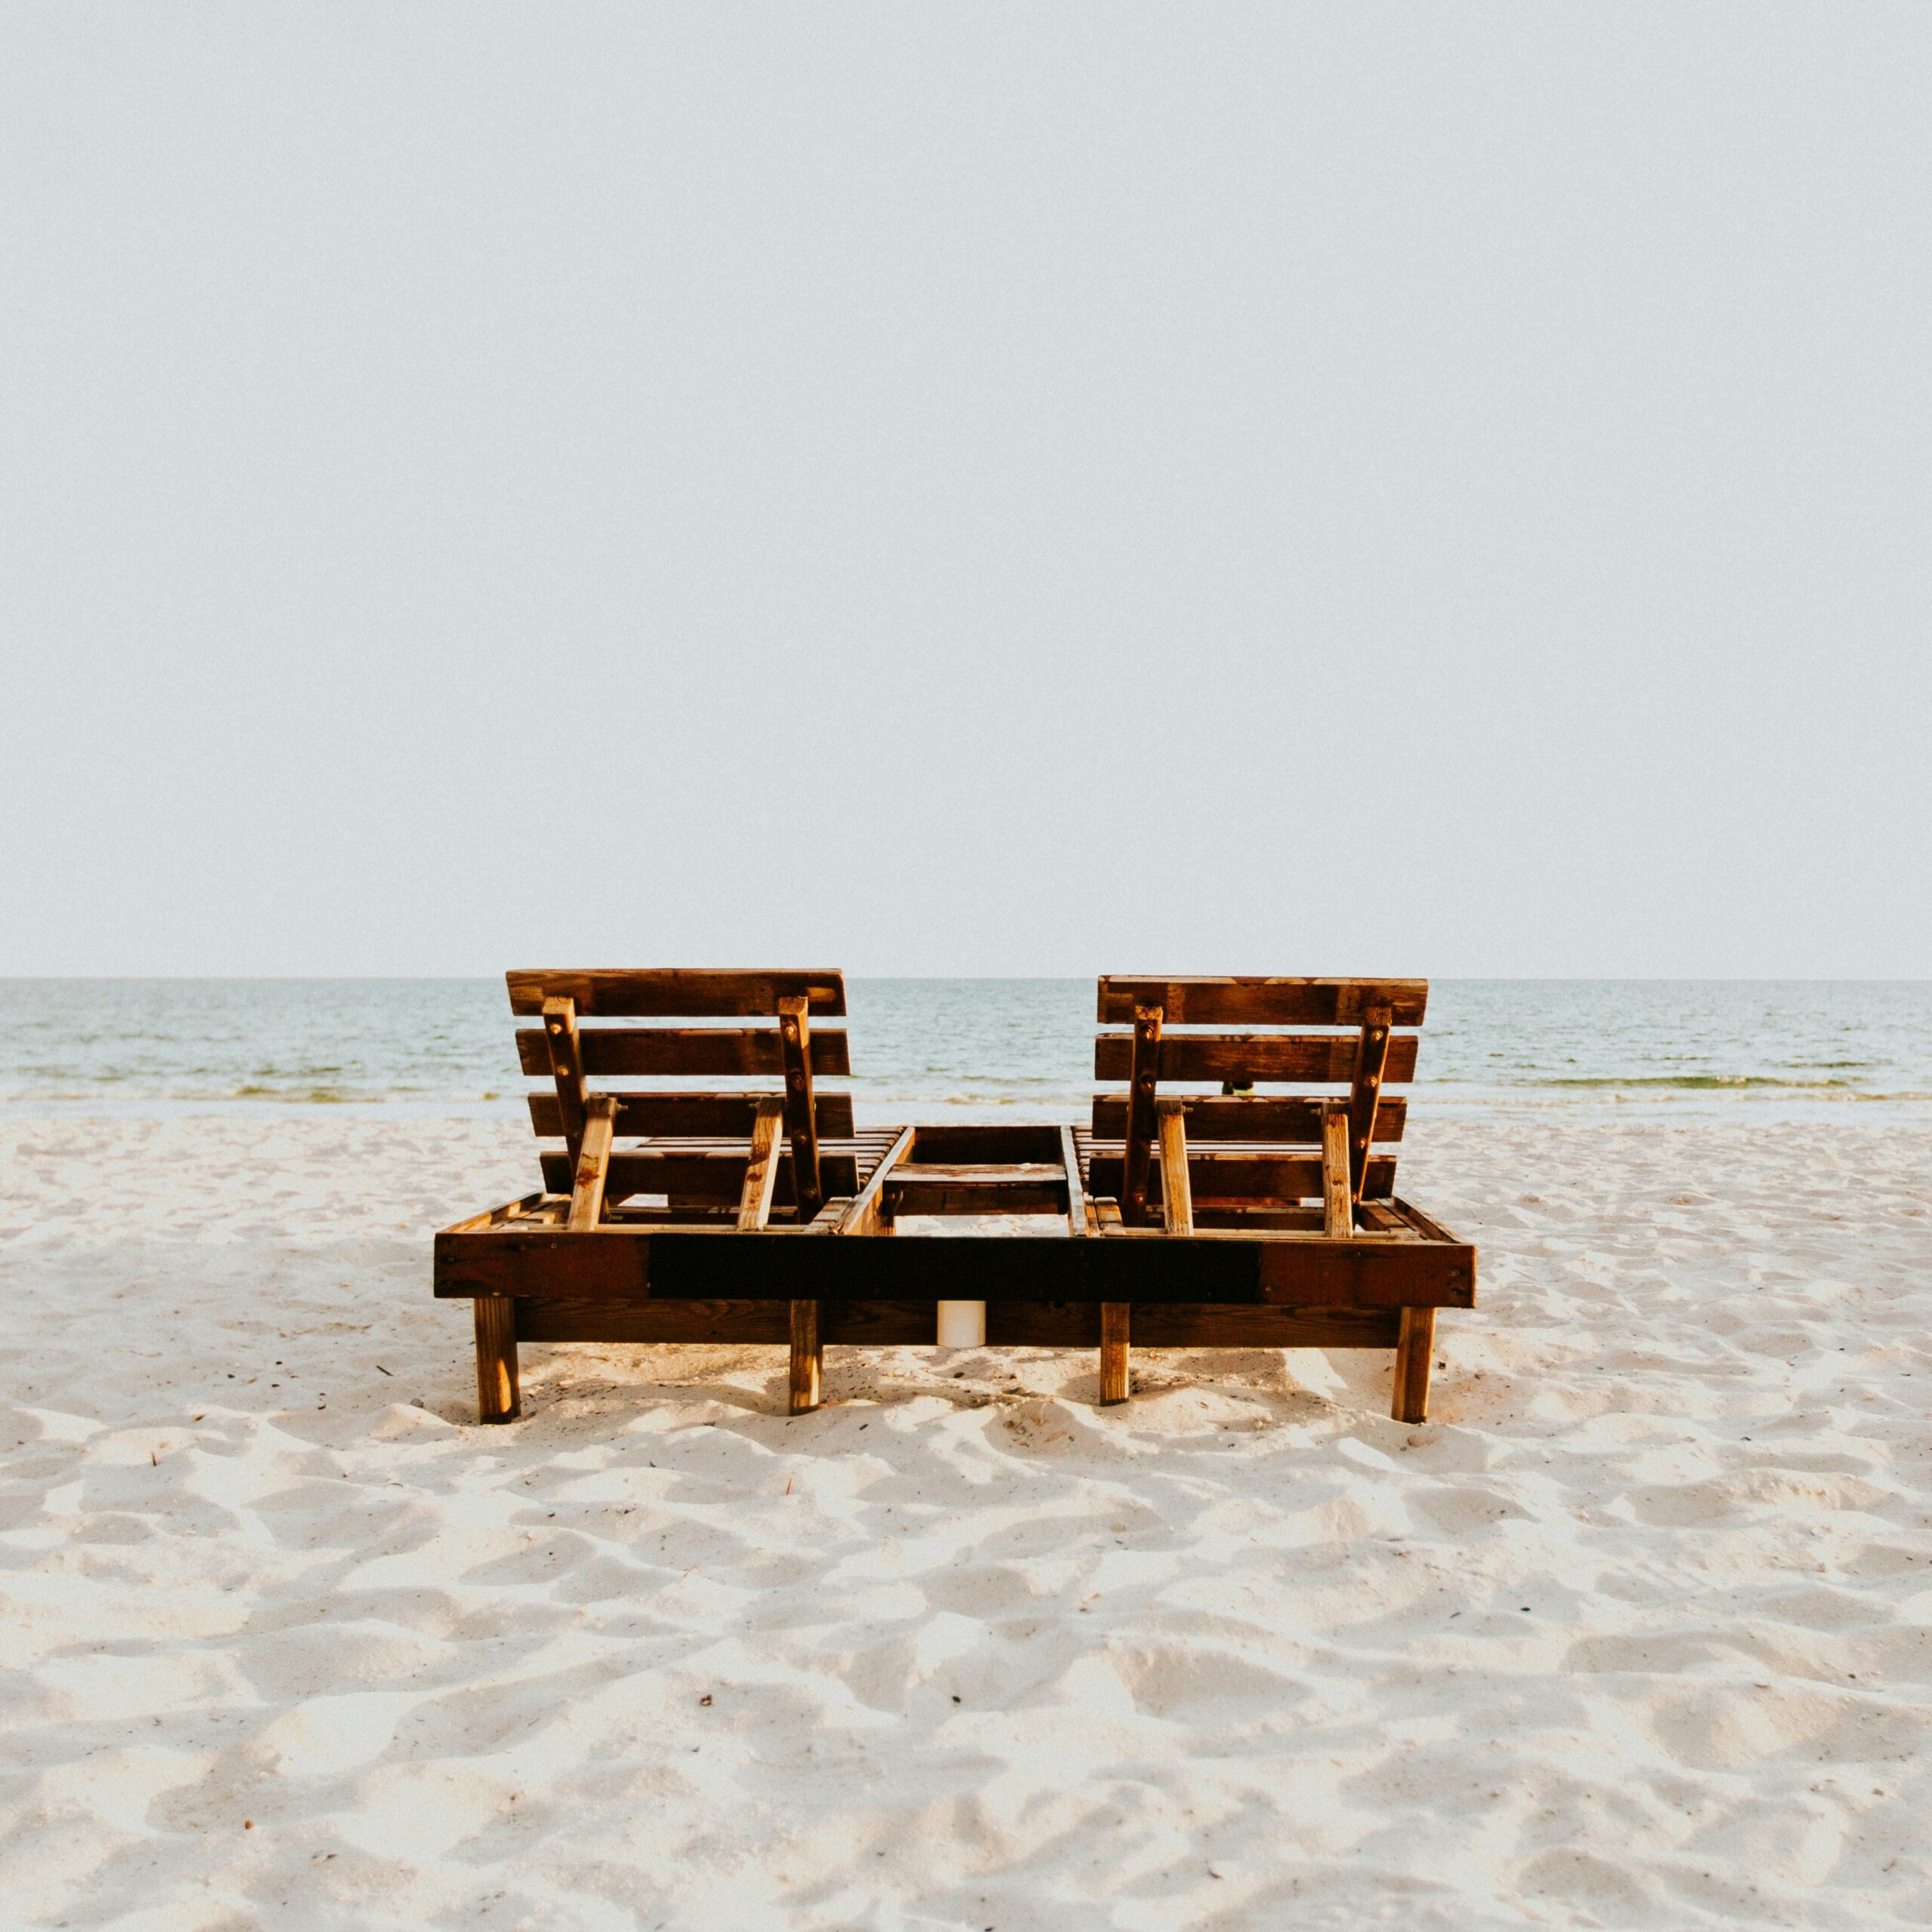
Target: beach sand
{"type": "Point", "coordinates": [1636, 1631]}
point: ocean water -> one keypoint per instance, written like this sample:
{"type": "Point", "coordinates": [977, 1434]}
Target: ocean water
{"type": "Point", "coordinates": [1003, 1049]}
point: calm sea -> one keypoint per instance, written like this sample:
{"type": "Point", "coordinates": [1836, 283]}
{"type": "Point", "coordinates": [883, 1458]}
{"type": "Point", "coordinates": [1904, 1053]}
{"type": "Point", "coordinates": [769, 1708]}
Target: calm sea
{"type": "Point", "coordinates": [1011, 1049]}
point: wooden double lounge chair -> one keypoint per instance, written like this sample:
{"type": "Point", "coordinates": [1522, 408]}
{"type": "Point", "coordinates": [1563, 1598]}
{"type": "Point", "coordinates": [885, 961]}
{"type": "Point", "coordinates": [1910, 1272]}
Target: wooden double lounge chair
{"type": "Point", "coordinates": [1195, 1210]}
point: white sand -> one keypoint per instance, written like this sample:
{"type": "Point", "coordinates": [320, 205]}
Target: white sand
{"type": "Point", "coordinates": [1635, 1633]}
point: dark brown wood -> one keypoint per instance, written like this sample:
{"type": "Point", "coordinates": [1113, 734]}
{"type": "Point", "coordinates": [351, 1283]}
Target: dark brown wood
{"type": "Point", "coordinates": [556, 1052]}
{"type": "Point", "coordinates": [1116, 1318]}
{"type": "Point", "coordinates": [915, 1188]}
{"type": "Point", "coordinates": [1260, 1002]}
{"type": "Point", "coordinates": [794, 1039]}
{"type": "Point", "coordinates": [761, 1169]}
{"type": "Point", "coordinates": [976, 1145]}
{"type": "Point", "coordinates": [1376, 1059]}
{"type": "Point", "coordinates": [555, 1318]}
{"type": "Point", "coordinates": [1415, 1343]}
{"type": "Point", "coordinates": [498, 1386]}
{"type": "Point", "coordinates": [806, 1379]}
{"type": "Point", "coordinates": [1072, 1325]}
{"type": "Point", "coordinates": [1176, 1195]}
{"type": "Point", "coordinates": [676, 993]}
{"type": "Point", "coordinates": [1337, 1190]}
{"type": "Point", "coordinates": [1132, 1265]}
{"type": "Point", "coordinates": [1247, 1057]}
{"type": "Point", "coordinates": [636, 1052]}
{"type": "Point", "coordinates": [1240, 1173]}
{"type": "Point", "coordinates": [698, 1116]}
{"type": "Point", "coordinates": [870, 1212]}
{"type": "Point", "coordinates": [697, 1173]}
{"type": "Point", "coordinates": [593, 1165]}
{"type": "Point", "coordinates": [1142, 1071]}
{"type": "Point", "coordinates": [1269, 1119]}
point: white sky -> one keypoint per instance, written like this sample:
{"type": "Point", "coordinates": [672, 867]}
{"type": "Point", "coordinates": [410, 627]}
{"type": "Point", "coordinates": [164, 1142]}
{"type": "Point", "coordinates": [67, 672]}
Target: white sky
{"type": "Point", "coordinates": [974, 490]}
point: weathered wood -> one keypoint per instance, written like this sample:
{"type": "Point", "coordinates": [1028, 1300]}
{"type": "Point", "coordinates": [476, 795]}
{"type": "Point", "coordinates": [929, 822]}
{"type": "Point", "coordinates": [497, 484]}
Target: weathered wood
{"type": "Point", "coordinates": [1076, 1194]}
{"type": "Point", "coordinates": [1414, 1344]}
{"type": "Point", "coordinates": [1269, 1119]}
{"type": "Point", "coordinates": [698, 1116]}
{"type": "Point", "coordinates": [499, 1386]}
{"type": "Point", "coordinates": [762, 1170]}
{"type": "Point", "coordinates": [870, 1210]}
{"type": "Point", "coordinates": [1260, 1002]}
{"type": "Point", "coordinates": [794, 1039]}
{"type": "Point", "coordinates": [1020, 1189]}
{"type": "Point", "coordinates": [494, 1217]}
{"type": "Point", "coordinates": [593, 1163]}
{"type": "Point", "coordinates": [1242, 1173]}
{"type": "Point", "coordinates": [1247, 1057]}
{"type": "Point", "coordinates": [1376, 1059]}
{"type": "Point", "coordinates": [557, 1052]}
{"type": "Point", "coordinates": [973, 1145]}
{"type": "Point", "coordinates": [1115, 1323]}
{"type": "Point", "coordinates": [1337, 1190]}
{"type": "Point", "coordinates": [1143, 1073]}
{"type": "Point", "coordinates": [675, 993]}
{"type": "Point", "coordinates": [700, 1174]}
{"type": "Point", "coordinates": [806, 1379]}
{"type": "Point", "coordinates": [1288, 1269]}
{"type": "Point", "coordinates": [558, 1318]}
{"type": "Point", "coordinates": [1073, 1324]}
{"type": "Point", "coordinates": [639, 1052]}
{"type": "Point", "coordinates": [1176, 1195]}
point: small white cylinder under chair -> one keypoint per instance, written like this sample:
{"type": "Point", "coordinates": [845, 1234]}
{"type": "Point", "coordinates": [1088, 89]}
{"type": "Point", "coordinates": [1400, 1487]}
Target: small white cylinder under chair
{"type": "Point", "coordinates": [962, 1324]}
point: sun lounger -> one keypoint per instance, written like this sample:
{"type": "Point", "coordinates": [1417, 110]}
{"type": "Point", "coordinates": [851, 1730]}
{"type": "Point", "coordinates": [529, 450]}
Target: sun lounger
{"type": "Point", "coordinates": [1304, 1173]}
{"type": "Point", "coordinates": [741, 1158]}
{"type": "Point", "coordinates": [1178, 1219]}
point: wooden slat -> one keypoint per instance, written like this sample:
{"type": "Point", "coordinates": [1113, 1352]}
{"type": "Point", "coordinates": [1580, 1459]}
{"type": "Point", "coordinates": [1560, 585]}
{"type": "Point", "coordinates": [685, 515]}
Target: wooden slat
{"type": "Point", "coordinates": [1076, 1192]}
{"type": "Point", "coordinates": [557, 1053]}
{"type": "Point", "coordinates": [1269, 1119]}
{"type": "Point", "coordinates": [973, 1145]}
{"type": "Point", "coordinates": [965, 1190]}
{"type": "Point", "coordinates": [618, 1051]}
{"type": "Point", "coordinates": [1176, 1195]}
{"type": "Point", "coordinates": [1337, 1191]}
{"type": "Point", "coordinates": [714, 1174]}
{"type": "Point", "coordinates": [1241, 1001]}
{"type": "Point", "coordinates": [675, 993]}
{"type": "Point", "coordinates": [794, 1040]}
{"type": "Point", "coordinates": [1374, 1053]}
{"type": "Point", "coordinates": [699, 1116]}
{"type": "Point", "coordinates": [868, 1212]}
{"type": "Point", "coordinates": [593, 1165]}
{"type": "Point", "coordinates": [1217, 1174]}
{"type": "Point", "coordinates": [761, 1168]}
{"type": "Point", "coordinates": [1142, 1071]}
{"type": "Point", "coordinates": [1246, 1057]}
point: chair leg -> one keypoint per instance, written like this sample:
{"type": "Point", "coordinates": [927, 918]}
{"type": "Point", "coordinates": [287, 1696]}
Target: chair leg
{"type": "Point", "coordinates": [498, 1391]}
{"type": "Point", "coordinates": [1113, 1351]}
{"type": "Point", "coordinates": [807, 1358]}
{"type": "Point", "coordinates": [1415, 1343]}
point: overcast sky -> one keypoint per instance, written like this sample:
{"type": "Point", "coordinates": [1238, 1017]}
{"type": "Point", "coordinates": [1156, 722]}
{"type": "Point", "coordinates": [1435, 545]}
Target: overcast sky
{"type": "Point", "coordinates": [1412, 489]}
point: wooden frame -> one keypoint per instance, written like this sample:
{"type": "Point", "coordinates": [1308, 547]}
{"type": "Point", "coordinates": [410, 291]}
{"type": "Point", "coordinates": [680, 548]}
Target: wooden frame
{"type": "Point", "coordinates": [1187, 1220]}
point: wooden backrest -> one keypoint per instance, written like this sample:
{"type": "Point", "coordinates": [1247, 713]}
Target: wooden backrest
{"type": "Point", "coordinates": [786, 1050]}
{"type": "Point", "coordinates": [1167, 1038]}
